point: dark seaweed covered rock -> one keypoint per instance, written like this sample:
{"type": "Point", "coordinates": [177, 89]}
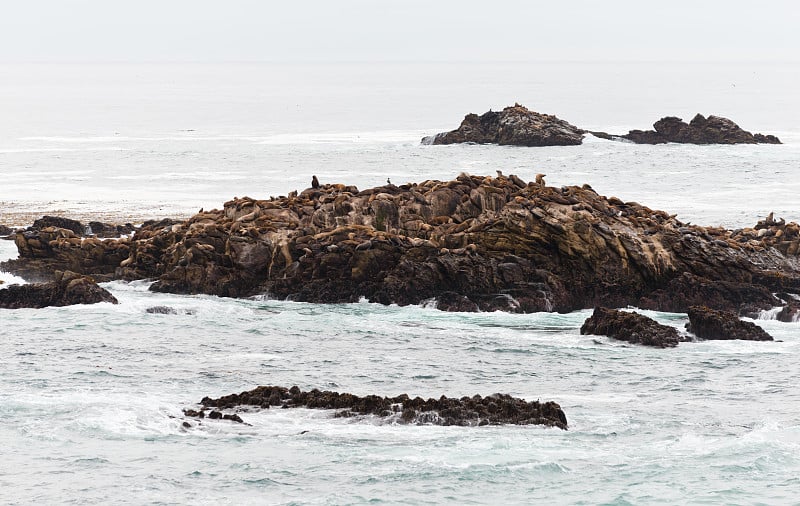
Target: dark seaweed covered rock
{"type": "Point", "coordinates": [492, 410]}
{"type": "Point", "coordinates": [701, 130]}
{"type": "Point", "coordinates": [68, 288]}
{"type": "Point", "coordinates": [631, 327]}
{"type": "Point", "coordinates": [515, 126]}
{"type": "Point", "coordinates": [710, 324]}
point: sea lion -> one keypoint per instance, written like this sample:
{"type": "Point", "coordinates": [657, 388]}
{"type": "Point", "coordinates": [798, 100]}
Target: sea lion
{"type": "Point", "coordinates": [540, 179]}
{"type": "Point", "coordinates": [314, 182]}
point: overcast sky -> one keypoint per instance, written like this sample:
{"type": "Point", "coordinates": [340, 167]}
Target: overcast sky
{"type": "Point", "coordinates": [389, 30]}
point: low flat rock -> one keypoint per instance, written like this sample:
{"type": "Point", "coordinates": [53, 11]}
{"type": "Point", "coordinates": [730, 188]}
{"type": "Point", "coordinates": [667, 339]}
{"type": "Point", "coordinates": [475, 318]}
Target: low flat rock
{"type": "Point", "coordinates": [631, 327]}
{"type": "Point", "coordinates": [710, 324]}
{"type": "Point", "coordinates": [69, 288]}
{"type": "Point", "coordinates": [701, 130]}
{"type": "Point", "coordinates": [513, 126]}
{"type": "Point", "coordinates": [495, 409]}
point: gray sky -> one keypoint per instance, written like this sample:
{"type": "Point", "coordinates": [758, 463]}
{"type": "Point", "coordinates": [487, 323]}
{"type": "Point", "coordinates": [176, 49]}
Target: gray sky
{"type": "Point", "coordinates": [389, 30]}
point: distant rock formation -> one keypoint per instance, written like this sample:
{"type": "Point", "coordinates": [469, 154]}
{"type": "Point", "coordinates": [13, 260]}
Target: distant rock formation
{"type": "Point", "coordinates": [68, 288]}
{"type": "Point", "coordinates": [631, 327]}
{"type": "Point", "coordinates": [709, 324]}
{"type": "Point", "coordinates": [701, 130]}
{"type": "Point", "coordinates": [495, 409]}
{"type": "Point", "coordinates": [518, 126]}
{"type": "Point", "coordinates": [514, 126]}
{"type": "Point", "coordinates": [473, 243]}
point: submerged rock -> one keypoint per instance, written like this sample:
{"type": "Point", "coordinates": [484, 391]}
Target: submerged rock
{"type": "Point", "coordinates": [515, 126]}
{"type": "Point", "coordinates": [701, 130]}
{"type": "Point", "coordinates": [492, 410]}
{"type": "Point", "coordinates": [709, 324]}
{"type": "Point", "coordinates": [631, 327]}
{"type": "Point", "coordinates": [68, 288]}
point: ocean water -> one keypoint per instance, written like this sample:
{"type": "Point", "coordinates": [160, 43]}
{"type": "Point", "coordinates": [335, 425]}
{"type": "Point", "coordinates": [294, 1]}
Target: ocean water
{"type": "Point", "coordinates": [91, 397]}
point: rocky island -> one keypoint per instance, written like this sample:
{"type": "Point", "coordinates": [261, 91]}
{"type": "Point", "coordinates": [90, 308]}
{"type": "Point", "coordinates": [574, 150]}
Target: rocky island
{"type": "Point", "coordinates": [701, 130]}
{"type": "Point", "coordinates": [514, 126]}
{"type": "Point", "coordinates": [475, 243]}
{"type": "Point", "coordinates": [518, 126]}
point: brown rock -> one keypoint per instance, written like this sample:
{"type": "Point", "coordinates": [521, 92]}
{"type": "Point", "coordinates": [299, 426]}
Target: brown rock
{"type": "Point", "coordinates": [69, 288]}
{"type": "Point", "coordinates": [709, 324]}
{"type": "Point", "coordinates": [631, 327]}
{"type": "Point", "coordinates": [516, 126]}
{"type": "Point", "coordinates": [701, 130]}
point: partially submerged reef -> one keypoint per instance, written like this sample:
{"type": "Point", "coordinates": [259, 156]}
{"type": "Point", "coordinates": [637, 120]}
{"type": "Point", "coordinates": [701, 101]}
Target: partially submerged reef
{"type": "Point", "coordinates": [704, 323]}
{"type": "Point", "coordinates": [494, 409]}
{"type": "Point", "coordinates": [476, 243]}
{"type": "Point", "coordinates": [518, 126]}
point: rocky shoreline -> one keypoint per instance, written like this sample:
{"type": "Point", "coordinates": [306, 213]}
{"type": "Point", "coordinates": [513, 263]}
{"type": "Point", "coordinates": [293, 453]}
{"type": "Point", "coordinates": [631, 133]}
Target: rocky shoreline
{"type": "Point", "coordinates": [518, 126]}
{"type": "Point", "coordinates": [475, 243]}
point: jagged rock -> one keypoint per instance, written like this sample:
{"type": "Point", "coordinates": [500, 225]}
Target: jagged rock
{"type": "Point", "coordinates": [515, 126]}
{"type": "Point", "coordinates": [710, 324]}
{"type": "Point", "coordinates": [492, 410]}
{"type": "Point", "coordinates": [701, 130]}
{"type": "Point", "coordinates": [473, 243]}
{"type": "Point", "coordinates": [44, 251]}
{"type": "Point", "coordinates": [68, 288]}
{"type": "Point", "coordinates": [689, 290]}
{"type": "Point", "coordinates": [631, 327]}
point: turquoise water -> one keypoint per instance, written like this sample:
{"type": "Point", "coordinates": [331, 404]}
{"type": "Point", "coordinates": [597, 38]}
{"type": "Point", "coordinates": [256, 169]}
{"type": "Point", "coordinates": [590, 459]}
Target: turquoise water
{"type": "Point", "coordinates": [91, 397]}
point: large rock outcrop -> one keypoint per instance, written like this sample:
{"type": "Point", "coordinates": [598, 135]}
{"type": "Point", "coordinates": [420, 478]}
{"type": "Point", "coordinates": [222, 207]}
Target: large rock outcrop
{"type": "Point", "coordinates": [473, 243]}
{"type": "Point", "coordinates": [701, 130]}
{"type": "Point", "coordinates": [68, 288]}
{"type": "Point", "coordinates": [710, 324]}
{"type": "Point", "coordinates": [44, 251]}
{"type": "Point", "coordinates": [494, 409]}
{"type": "Point", "coordinates": [631, 327]}
{"type": "Point", "coordinates": [514, 126]}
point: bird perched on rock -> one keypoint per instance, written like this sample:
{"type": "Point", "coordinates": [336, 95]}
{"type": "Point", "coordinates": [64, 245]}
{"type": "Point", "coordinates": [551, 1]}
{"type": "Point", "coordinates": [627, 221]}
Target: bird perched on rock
{"type": "Point", "coordinates": [314, 182]}
{"type": "Point", "coordinates": [388, 181]}
{"type": "Point", "coordinates": [540, 179]}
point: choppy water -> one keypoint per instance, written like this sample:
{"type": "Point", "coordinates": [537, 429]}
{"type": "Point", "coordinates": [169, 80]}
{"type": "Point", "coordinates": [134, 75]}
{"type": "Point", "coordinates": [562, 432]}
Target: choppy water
{"type": "Point", "coordinates": [91, 396]}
